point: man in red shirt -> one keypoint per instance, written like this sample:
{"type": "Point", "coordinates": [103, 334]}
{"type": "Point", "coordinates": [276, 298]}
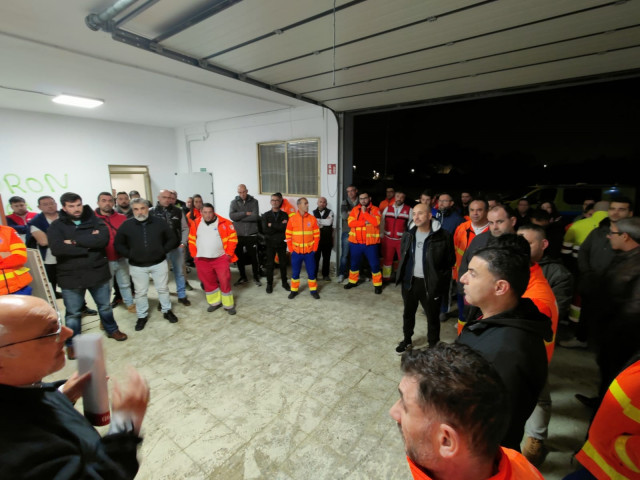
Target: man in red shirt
{"type": "Point", "coordinates": [20, 217]}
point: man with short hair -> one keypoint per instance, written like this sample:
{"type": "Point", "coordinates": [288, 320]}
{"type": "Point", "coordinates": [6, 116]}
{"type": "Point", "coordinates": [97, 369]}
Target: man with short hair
{"type": "Point", "coordinates": [145, 240]}
{"type": "Point", "coordinates": [174, 217]}
{"type": "Point", "coordinates": [212, 243]}
{"type": "Point", "coordinates": [38, 227]}
{"type": "Point", "coordinates": [20, 217]}
{"type": "Point", "coordinates": [511, 332]}
{"type": "Point", "coordinates": [123, 204]}
{"type": "Point", "coordinates": [348, 204]}
{"type": "Point", "coordinates": [465, 201]}
{"type": "Point", "coordinates": [395, 218]}
{"type": "Point", "coordinates": [324, 217]}
{"type": "Point", "coordinates": [390, 195]}
{"type": "Point", "coordinates": [303, 237]}
{"type": "Point", "coordinates": [446, 438]}
{"type": "Point", "coordinates": [274, 226]}
{"type": "Point", "coordinates": [426, 259]}
{"type": "Point", "coordinates": [118, 265]}
{"type": "Point", "coordinates": [364, 237]}
{"type": "Point", "coordinates": [78, 240]}
{"type": "Point", "coordinates": [41, 434]}
{"type": "Point", "coordinates": [244, 211]}
{"type": "Point", "coordinates": [447, 214]}
{"type": "Point", "coordinates": [522, 214]}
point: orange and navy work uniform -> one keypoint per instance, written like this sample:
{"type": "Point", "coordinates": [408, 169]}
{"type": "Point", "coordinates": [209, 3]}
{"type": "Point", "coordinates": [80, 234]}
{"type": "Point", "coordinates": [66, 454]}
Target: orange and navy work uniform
{"type": "Point", "coordinates": [14, 275]}
{"type": "Point", "coordinates": [461, 239]}
{"type": "Point", "coordinates": [513, 466]}
{"type": "Point", "coordinates": [303, 237]}
{"type": "Point", "coordinates": [612, 449]}
{"type": "Point", "coordinates": [364, 238]}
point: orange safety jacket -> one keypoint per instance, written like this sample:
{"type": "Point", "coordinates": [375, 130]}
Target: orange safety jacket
{"type": "Point", "coordinates": [302, 234]}
{"type": "Point", "coordinates": [461, 239]}
{"type": "Point", "coordinates": [513, 466]}
{"type": "Point", "coordinates": [13, 257]}
{"type": "Point", "coordinates": [612, 449]}
{"type": "Point", "coordinates": [365, 226]}
{"type": "Point", "coordinates": [287, 208]}
{"type": "Point", "coordinates": [196, 214]}
{"type": "Point", "coordinates": [540, 293]}
{"type": "Point", "coordinates": [385, 203]}
{"type": "Point", "coordinates": [227, 234]}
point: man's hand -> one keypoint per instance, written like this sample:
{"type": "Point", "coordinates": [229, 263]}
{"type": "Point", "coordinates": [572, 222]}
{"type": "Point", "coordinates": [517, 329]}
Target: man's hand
{"type": "Point", "coordinates": [72, 388]}
{"type": "Point", "coordinates": [285, 221]}
{"type": "Point", "coordinates": [69, 242]}
{"type": "Point", "coordinates": [249, 213]}
{"type": "Point", "coordinates": [133, 401]}
{"type": "Point", "coordinates": [95, 232]}
{"type": "Point", "coordinates": [269, 225]}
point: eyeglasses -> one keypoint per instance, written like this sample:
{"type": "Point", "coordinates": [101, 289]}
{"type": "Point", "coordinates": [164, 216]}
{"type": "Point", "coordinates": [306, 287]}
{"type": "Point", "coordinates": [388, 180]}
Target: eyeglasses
{"type": "Point", "coordinates": [53, 334]}
{"type": "Point", "coordinates": [616, 233]}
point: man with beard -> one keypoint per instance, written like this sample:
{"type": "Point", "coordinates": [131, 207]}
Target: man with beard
{"type": "Point", "coordinates": [145, 240]}
{"type": "Point", "coordinates": [78, 240]}
{"type": "Point", "coordinates": [444, 437]}
{"type": "Point", "coordinates": [122, 204]}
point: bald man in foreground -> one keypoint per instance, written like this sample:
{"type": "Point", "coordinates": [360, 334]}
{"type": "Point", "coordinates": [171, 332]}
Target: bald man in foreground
{"type": "Point", "coordinates": [41, 434]}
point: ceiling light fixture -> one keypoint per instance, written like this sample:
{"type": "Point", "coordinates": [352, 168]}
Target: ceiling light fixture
{"type": "Point", "coordinates": [75, 101]}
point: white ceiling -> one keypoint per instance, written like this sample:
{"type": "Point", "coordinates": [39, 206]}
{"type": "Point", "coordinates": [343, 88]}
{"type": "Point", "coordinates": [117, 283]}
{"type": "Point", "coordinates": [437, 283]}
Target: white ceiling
{"type": "Point", "coordinates": [369, 54]}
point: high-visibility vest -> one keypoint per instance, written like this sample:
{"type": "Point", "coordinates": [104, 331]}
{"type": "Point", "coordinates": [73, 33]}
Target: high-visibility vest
{"type": "Point", "coordinates": [578, 232]}
{"type": "Point", "coordinates": [540, 293]}
{"type": "Point", "coordinates": [196, 214]}
{"type": "Point", "coordinates": [227, 234]}
{"type": "Point", "coordinates": [303, 233]}
{"type": "Point", "coordinates": [612, 449]}
{"type": "Point", "coordinates": [13, 257]}
{"type": "Point", "coordinates": [461, 239]}
{"type": "Point", "coordinates": [365, 226]}
{"type": "Point", "coordinates": [394, 226]}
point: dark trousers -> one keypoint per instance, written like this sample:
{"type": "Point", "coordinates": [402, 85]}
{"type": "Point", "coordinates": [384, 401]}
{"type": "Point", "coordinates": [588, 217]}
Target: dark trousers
{"type": "Point", "coordinates": [417, 294]}
{"type": "Point", "coordinates": [271, 252]}
{"type": "Point", "coordinates": [324, 250]}
{"type": "Point", "coordinates": [52, 275]}
{"type": "Point", "coordinates": [247, 253]}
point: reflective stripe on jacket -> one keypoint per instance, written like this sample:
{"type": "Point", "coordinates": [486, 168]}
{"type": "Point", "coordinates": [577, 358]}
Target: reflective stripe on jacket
{"type": "Point", "coordinates": [13, 274]}
{"type": "Point", "coordinates": [394, 226]}
{"type": "Point", "coordinates": [303, 233]}
{"type": "Point", "coordinates": [227, 234]}
{"type": "Point", "coordinates": [365, 226]}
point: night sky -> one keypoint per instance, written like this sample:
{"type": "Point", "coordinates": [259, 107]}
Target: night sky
{"type": "Point", "coordinates": [583, 134]}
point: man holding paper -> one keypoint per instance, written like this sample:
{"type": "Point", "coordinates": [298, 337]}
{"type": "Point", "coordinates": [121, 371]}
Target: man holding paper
{"type": "Point", "coordinates": [41, 434]}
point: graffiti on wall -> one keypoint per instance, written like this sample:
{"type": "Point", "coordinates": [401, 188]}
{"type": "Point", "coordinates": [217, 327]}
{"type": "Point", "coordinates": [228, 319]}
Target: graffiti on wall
{"type": "Point", "coordinates": [21, 185]}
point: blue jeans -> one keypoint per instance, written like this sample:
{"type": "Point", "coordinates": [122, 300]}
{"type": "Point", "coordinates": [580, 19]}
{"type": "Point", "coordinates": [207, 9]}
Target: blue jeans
{"type": "Point", "coordinates": [160, 275]}
{"type": "Point", "coordinates": [344, 253]}
{"type": "Point", "coordinates": [74, 302]}
{"type": "Point", "coordinates": [120, 272]}
{"type": "Point", "coordinates": [176, 257]}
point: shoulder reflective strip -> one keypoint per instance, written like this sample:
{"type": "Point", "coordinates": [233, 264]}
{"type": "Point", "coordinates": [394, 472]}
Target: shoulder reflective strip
{"type": "Point", "coordinates": [591, 452]}
{"type": "Point", "coordinates": [22, 252]}
{"type": "Point", "coordinates": [621, 450]}
{"type": "Point", "coordinates": [623, 399]}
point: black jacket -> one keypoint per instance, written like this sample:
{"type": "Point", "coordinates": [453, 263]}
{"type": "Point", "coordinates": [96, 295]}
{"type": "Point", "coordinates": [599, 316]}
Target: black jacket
{"type": "Point", "coordinates": [275, 234]}
{"type": "Point", "coordinates": [84, 264]}
{"type": "Point", "coordinates": [438, 259]}
{"type": "Point", "coordinates": [513, 341]}
{"type": "Point", "coordinates": [174, 217]}
{"type": "Point", "coordinates": [42, 436]}
{"type": "Point", "coordinates": [145, 243]}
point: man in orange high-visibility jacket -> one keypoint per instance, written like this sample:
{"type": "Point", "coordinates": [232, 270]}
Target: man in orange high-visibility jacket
{"type": "Point", "coordinates": [14, 276]}
{"type": "Point", "coordinates": [212, 243]}
{"type": "Point", "coordinates": [364, 237]}
{"type": "Point", "coordinates": [612, 449]}
{"type": "Point", "coordinates": [448, 438]}
{"type": "Point", "coordinates": [303, 237]}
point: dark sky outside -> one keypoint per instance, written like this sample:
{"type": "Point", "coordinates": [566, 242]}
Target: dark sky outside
{"type": "Point", "coordinates": [586, 134]}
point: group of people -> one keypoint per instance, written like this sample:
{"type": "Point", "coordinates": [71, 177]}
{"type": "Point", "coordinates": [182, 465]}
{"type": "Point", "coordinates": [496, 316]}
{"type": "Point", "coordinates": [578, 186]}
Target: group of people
{"type": "Point", "coordinates": [511, 295]}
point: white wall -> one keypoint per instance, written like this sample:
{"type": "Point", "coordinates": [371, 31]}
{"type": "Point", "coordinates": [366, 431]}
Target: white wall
{"type": "Point", "coordinates": [43, 154]}
{"type": "Point", "coordinates": [228, 148]}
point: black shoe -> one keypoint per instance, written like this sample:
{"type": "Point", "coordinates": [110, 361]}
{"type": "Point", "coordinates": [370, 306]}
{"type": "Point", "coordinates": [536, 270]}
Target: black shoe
{"type": "Point", "coordinates": [377, 290]}
{"type": "Point", "coordinates": [88, 312]}
{"type": "Point", "coordinates": [326, 278]}
{"type": "Point", "coordinates": [159, 307]}
{"type": "Point", "coordinates": [286, 286]}
{"type": "Point", "coordinates": [141, 323]}
{"type": "Point", "coordinates": [315, 295]}
{"type": "Point", "coordinates": [241, 281]}
{"type": "Point", "coordinates": [591, 402]}
{"type": "Point", "coordinates": [350, 285]}
{"type": "Point", "coordinates": [403, 346]}
{"type": "Point", "coordinates": [257, 282]}
{"type": "Point", "coordinates": [443, 317]}
{"type": "Point", "coordinates": [185, 301]}
{"type": "Point", "coordinates": [116, 302]}
{"type": "Point", "coordinates": [269, 288]}
{"type": "Point", "coordinates": [171, 317]}
{"type": "Point", "coordinates": [213, 308]}
{"type": "Point", "coordinates": [231, 311]}
{"type": "Point", "coordinates": [188, 287]}
{"type": "Point", "coordinates": [292, 295]}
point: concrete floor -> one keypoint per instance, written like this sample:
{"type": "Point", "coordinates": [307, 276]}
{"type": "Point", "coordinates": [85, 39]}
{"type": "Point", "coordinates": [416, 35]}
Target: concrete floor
{"type": "Point", "coordinates": [294, 389]}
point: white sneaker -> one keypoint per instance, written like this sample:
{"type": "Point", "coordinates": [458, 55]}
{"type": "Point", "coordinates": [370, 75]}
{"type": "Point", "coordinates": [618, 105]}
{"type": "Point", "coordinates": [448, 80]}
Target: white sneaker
{"type": "Point", "coordinates": [573, 343]}
{"type": "Point", "coordinates": [340, 279]}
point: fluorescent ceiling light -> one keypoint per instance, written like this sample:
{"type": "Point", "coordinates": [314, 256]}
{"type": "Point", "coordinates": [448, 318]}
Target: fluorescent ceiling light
{"type": "Point", "coordinates": [78, 101]}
